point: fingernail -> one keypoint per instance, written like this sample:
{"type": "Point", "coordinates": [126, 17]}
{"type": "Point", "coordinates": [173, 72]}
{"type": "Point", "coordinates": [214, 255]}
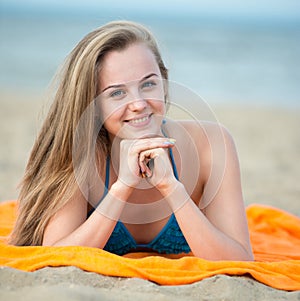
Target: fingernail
{"type": "Point", "coordinates": [171, 141]}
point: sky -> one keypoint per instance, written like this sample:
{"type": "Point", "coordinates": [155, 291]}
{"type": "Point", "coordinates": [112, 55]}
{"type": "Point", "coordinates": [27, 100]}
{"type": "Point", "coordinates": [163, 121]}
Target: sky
{"type": "Point", "coordinates": [246, 8]}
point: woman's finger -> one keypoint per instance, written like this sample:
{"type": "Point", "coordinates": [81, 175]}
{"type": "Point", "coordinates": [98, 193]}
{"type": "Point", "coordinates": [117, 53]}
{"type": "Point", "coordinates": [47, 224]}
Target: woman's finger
{"type": "Point", "coordinates": [144, 159]}
{"type": "Point", "coordinates": [140, 145]}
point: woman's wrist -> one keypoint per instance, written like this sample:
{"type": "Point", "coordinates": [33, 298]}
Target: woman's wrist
{"type": "Point", "coordinates": [114, 202]}
{"type": "Point", "coordinates": [167, 187]}
{"type": "Point", "coordinates": [176, 196]}
{"type": "Point", "coordinates": [120, 190]}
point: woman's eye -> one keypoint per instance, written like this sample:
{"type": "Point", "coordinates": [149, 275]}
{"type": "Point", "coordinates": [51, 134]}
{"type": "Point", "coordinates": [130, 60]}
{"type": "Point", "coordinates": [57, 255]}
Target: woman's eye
{"type": "Point", "coordinates": [148, 84]}
{"type": "Point", "coordinates": [117, 94]}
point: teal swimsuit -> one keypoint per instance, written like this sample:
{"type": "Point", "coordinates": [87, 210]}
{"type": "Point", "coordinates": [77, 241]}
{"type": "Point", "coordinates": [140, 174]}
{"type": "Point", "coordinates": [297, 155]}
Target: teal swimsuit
{"type": "Point", "coordinates": [169, 240]}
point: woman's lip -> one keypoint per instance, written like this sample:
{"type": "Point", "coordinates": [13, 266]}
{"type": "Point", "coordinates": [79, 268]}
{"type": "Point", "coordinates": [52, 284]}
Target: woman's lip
{"type": "Point", "coordinates": [140, 121]}
{"type": "Point", "coordinates": [139, 117]}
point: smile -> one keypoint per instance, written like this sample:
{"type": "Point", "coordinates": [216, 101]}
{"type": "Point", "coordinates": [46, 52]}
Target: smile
{"type": "Point", "coordinates": [142, 121]}
{"type": "Point", "coordinates": [139, 120]}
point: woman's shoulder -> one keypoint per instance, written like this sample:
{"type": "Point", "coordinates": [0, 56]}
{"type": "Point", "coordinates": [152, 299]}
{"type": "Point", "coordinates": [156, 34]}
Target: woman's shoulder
{"type": "Point", "coordinates": [199, 131]}
{"type": "Point", "coordinates": [202, 126]}
{"type": "Point", "coordinates": [210, 140]}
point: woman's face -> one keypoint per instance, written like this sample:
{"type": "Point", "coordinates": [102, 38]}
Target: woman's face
{"type": "Point", "coordinates": [132, 93]}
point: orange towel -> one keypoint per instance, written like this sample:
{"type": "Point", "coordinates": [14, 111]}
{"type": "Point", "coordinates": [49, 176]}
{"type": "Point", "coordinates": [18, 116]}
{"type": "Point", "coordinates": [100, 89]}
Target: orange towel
{"type": "Point", "coordinates": [275, 237]}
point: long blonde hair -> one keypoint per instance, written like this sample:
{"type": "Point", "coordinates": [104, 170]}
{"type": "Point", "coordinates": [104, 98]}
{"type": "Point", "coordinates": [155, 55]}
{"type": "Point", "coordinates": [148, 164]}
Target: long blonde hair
{"type": "Point", "coordinates": [49, 181]}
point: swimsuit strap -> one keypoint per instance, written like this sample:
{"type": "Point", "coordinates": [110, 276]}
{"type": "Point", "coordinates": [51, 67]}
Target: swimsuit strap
{"type": "Point", "coordinates": [173, 164]}
{"type": "Point", "coordinates": [107, 169]}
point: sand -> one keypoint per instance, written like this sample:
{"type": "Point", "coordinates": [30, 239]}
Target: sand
{"type": "Point", "coordinates": [72, 284]}
{"type": "Point", "coordinates": [268, 143]}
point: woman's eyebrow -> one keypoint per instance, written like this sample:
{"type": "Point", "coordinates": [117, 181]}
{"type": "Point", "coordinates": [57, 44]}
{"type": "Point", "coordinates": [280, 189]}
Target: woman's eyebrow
{"type": "Point", "coordinates": [123, 85]}
{"type": "Point", "coordinates": [148, 76]}
{"type": "Point", "coordinates": [113, 86]}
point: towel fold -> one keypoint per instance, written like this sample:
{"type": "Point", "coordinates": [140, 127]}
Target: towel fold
{"type": "Point", "coordinates": [274, 234]}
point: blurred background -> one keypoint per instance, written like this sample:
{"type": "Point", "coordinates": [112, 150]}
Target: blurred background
{"type": "Point", "coordinates": [236, 51]}
{"type": "Point", "coordinates": [242, 57]}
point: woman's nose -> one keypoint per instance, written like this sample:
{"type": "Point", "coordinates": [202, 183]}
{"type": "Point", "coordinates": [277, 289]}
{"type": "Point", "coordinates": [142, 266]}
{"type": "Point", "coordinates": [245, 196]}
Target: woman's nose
{"type": "Point", "coordinates": [137, 105]}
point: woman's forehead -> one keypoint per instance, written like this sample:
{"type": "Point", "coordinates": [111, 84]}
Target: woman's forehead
{"type": "Point", "coordinates": [130, 64]}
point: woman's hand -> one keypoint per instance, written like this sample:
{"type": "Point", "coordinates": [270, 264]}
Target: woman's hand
{"type": "Point", "coordinates": [155, 164]}
{"type": "Point", "coordinates": [136, 154]}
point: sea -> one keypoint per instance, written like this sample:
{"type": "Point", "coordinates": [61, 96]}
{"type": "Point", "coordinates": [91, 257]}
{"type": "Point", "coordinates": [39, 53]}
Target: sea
{"type": "Point", "coordinates": [224, 60]}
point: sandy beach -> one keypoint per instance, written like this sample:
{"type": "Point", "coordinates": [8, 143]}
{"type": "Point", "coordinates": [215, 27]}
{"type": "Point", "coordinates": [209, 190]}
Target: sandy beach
{"type": "Point", "coordinates": [268, 143]}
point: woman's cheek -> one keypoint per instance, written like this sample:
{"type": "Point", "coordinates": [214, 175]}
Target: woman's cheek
{"type": "Point", "coordinates": [159, 106]}
{"type": "Point", "coordinates": [112, 113]}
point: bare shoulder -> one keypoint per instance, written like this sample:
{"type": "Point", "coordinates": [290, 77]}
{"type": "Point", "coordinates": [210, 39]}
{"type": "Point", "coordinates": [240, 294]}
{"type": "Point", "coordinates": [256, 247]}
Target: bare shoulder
{"type": "Point", "coordinates": [204, 146]}
{"type": "Point", "coordinates": [204, 126]}
{"type": "Point", "coordinates": [205, 133]}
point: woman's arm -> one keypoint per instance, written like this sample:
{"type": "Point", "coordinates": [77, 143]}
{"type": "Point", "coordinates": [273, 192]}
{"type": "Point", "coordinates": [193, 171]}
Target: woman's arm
{"type": "Point", "coordinates": [222, 232]}
{"type": "Point", "coordinates": [70, 225]}
{"type": "Point", "coordinates": [226, 239]}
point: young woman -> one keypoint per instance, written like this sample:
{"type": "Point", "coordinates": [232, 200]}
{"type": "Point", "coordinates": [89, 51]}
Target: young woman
{"type": "Point", "coordinates": [107, 125]}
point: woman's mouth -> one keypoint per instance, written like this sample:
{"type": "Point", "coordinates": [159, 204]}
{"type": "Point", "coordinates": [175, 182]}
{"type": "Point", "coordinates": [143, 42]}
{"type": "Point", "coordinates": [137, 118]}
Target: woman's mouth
{"type": "Point", "coordinates": [141, 121]}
